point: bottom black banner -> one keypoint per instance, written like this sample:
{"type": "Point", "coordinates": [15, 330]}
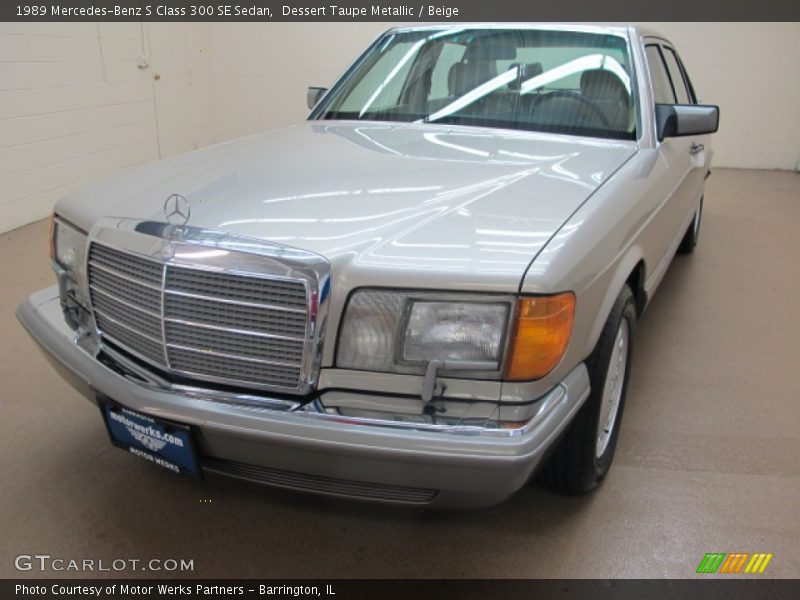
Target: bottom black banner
{"type": "Point", "coordinates": [346, 589]}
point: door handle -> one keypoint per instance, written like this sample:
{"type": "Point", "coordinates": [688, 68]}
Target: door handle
{"type": "Point", "coordinates": [696, 148]}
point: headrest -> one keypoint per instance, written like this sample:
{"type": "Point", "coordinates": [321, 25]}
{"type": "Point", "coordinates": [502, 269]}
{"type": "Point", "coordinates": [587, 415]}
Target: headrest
{"type": "Point", "coordinates": [529, 70]}
{"type": "Point", "coordinates": [464, 77]}
{"type": "Point", "coordinates": [602, 84]}
{"type": "Point", "coordinates": [607, 91]}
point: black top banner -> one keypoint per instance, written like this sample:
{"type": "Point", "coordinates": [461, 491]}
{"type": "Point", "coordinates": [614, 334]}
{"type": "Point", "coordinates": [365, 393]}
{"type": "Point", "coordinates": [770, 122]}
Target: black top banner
{"type": "Point", "coordinates": [399, 10]}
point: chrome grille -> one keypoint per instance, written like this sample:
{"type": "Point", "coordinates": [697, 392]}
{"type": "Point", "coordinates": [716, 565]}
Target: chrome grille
{"type": "Point", "coordinates": [127, 265]}
{"type": "Point", "coordinates": [286, 294]}
{"type": "Point", "coordinates": [252, 346]}
{"type": "Point", "coordinates": [112, 284]}
{"type": "Point", "coordinates": [233, 368]}
{"type": "Point", "coordinates": [221, 314]}
{"type": "Point", "coordinates": [126, 312]}
{"type": "Point", "coordinates": [230, 328]}
{"type": "Point", "coordinates": [146, 347]}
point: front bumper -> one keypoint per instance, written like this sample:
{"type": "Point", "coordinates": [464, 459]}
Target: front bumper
{"type": "Point", "coordinates": [309, 451]}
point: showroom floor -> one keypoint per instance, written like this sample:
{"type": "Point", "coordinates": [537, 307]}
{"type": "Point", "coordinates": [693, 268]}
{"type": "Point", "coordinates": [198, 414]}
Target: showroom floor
{"type": "Point", "coordinates": [708, 459]}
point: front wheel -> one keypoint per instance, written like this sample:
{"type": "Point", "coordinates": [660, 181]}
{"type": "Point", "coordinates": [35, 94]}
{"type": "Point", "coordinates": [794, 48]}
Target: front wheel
{"type": "Point", "coordinates": [584, 454]}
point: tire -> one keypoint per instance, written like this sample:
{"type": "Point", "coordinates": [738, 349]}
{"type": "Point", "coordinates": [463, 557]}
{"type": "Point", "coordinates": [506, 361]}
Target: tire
{"type": "Point", "coordinates": [689, 240]}
{"type": "Point", "coordinates": [584, 453]}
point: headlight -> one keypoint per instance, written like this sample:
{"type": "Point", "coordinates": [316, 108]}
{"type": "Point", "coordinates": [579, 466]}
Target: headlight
{"type": "Point", "coordinates": [401, 332]}
{"type": "Point", "coordinates": [465, 331]}
{"type": "Point", "coordinates": [68, 246]}
{"type": "Point", "coordinates": [68, 253]}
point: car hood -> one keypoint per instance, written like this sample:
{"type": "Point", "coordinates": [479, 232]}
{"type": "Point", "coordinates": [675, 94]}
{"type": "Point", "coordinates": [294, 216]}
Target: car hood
{"type": "Point", "coordinates": [381, 201]}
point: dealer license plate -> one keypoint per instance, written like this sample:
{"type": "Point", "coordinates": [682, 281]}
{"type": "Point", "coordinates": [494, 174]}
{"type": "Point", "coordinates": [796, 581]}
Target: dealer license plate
{"type": "Point", "coordinates": [164, 443]}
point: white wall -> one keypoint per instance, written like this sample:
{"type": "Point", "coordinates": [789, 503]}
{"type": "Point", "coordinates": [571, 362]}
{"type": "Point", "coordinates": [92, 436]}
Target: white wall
{"type": "Point", "coordinates": [262, 70]}
{"type": "Point", "coordinates": [180, 55]}
{"type": "Point", "coordinates": [67, 112]}
{"type": "Point", "coordinates": [752, 71]}
{"type": "Point", "coordinates": [75, 106]}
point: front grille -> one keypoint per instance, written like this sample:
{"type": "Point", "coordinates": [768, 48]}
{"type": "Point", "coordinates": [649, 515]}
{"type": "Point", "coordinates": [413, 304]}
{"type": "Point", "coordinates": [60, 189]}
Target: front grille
{"type": "Point", "coordinates": [287, 294]}
{"type": "Point", "coordinates": [319, 484]}
{"type": "Point", "coordinates": [220, 314]}
{"type": "Point", "coordinates": [221, 327]}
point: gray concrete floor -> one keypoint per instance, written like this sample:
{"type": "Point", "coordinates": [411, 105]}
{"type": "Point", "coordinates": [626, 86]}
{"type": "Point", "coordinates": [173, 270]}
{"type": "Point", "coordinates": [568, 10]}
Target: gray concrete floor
{"type": "Point", "coordinates": [708, 458]}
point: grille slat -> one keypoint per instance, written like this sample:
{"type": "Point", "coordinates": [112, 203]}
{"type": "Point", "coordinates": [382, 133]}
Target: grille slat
{"type": "Point", "coordinates": [232, 369]}
{"type": "Point", "coordinates": [127, 264]}
{"type": "Point", "coordinates": [143, 297]}
{"type": "Point", "coordinates": [138, 343]}
{"type": "Point", "coordinates": [135, 319]}
{"type": "Point", "coordinates": [276, 292]}
{"type": "Point", "coordinates": [236, 357]}
{"type": "Point", "coordinates": [230, 343]}
{"type": "Point", "coordinates": [227, 327]}
{"type": "Point", "coordinates": [231, 316]}
{"type": "Point", "coordinates": [320, 484]}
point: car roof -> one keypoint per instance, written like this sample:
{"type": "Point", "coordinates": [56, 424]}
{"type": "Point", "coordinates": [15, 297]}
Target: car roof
{"type": "Point", "coordinates": [612, 28]}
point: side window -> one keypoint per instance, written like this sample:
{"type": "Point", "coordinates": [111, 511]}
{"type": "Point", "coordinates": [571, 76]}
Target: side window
{"type": "Point", "coordinates": [682, 70]}
{"type": "Point", "coordinates": [677, 76]}
{"type": "Point", "coordinates": [662, 88]}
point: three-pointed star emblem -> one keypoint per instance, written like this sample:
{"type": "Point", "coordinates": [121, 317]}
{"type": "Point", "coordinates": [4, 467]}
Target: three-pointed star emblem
{"type": "Point", "coordinates": [177, 210]}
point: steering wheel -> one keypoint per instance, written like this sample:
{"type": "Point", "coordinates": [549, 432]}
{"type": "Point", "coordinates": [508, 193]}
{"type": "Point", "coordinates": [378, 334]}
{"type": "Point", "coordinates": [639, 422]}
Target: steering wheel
{"type": "Point", "coordinates": [572, 95]}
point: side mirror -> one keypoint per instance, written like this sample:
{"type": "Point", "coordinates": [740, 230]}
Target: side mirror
{"type": "Point", "coordinates": [675, 120]}
{"type": "Point", "coordinates": [314, 95]}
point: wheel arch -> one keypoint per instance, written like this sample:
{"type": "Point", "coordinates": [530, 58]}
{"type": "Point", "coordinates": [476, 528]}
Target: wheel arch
{"type": "Point", "coordinates": [630, 270]}
{"type": "Point", "coordinates": [635, 281]}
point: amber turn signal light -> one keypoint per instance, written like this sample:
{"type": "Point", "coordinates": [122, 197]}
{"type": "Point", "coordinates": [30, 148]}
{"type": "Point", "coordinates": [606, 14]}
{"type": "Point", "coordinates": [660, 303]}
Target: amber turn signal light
{"type": "Point", "coordinates": [541, 333]}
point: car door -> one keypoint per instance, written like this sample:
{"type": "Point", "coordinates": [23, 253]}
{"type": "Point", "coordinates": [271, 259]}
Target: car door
{"type": "Point", "coordinates": [677, 157]}
{"type": "Point", "coordinates": [700, 145]}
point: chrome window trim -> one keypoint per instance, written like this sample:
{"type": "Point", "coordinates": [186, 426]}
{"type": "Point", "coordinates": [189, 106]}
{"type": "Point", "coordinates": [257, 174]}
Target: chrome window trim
{"type": "Point", "coordinates": [200, 249]}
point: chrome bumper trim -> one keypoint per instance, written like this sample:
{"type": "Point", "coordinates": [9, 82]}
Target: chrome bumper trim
{"type": "Point", "coordinates": [467, 467]}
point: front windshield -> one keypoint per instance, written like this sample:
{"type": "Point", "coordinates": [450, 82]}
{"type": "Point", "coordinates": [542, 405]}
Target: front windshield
{"type": "Point", "coordinates": [571, 82]}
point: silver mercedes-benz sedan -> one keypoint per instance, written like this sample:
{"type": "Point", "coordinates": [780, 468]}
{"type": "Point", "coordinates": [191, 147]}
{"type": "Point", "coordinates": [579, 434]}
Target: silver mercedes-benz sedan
{"type": "Point", "coordinates": [426, 293]}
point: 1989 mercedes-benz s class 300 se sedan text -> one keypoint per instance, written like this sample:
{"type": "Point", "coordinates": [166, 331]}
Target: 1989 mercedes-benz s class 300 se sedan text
{"type": "Point", "coordinates": [424, 294]}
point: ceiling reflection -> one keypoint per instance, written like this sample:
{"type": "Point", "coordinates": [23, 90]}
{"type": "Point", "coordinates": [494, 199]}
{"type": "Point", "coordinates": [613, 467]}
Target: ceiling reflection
{"type": "Point", "coordinates": [405, 197]}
